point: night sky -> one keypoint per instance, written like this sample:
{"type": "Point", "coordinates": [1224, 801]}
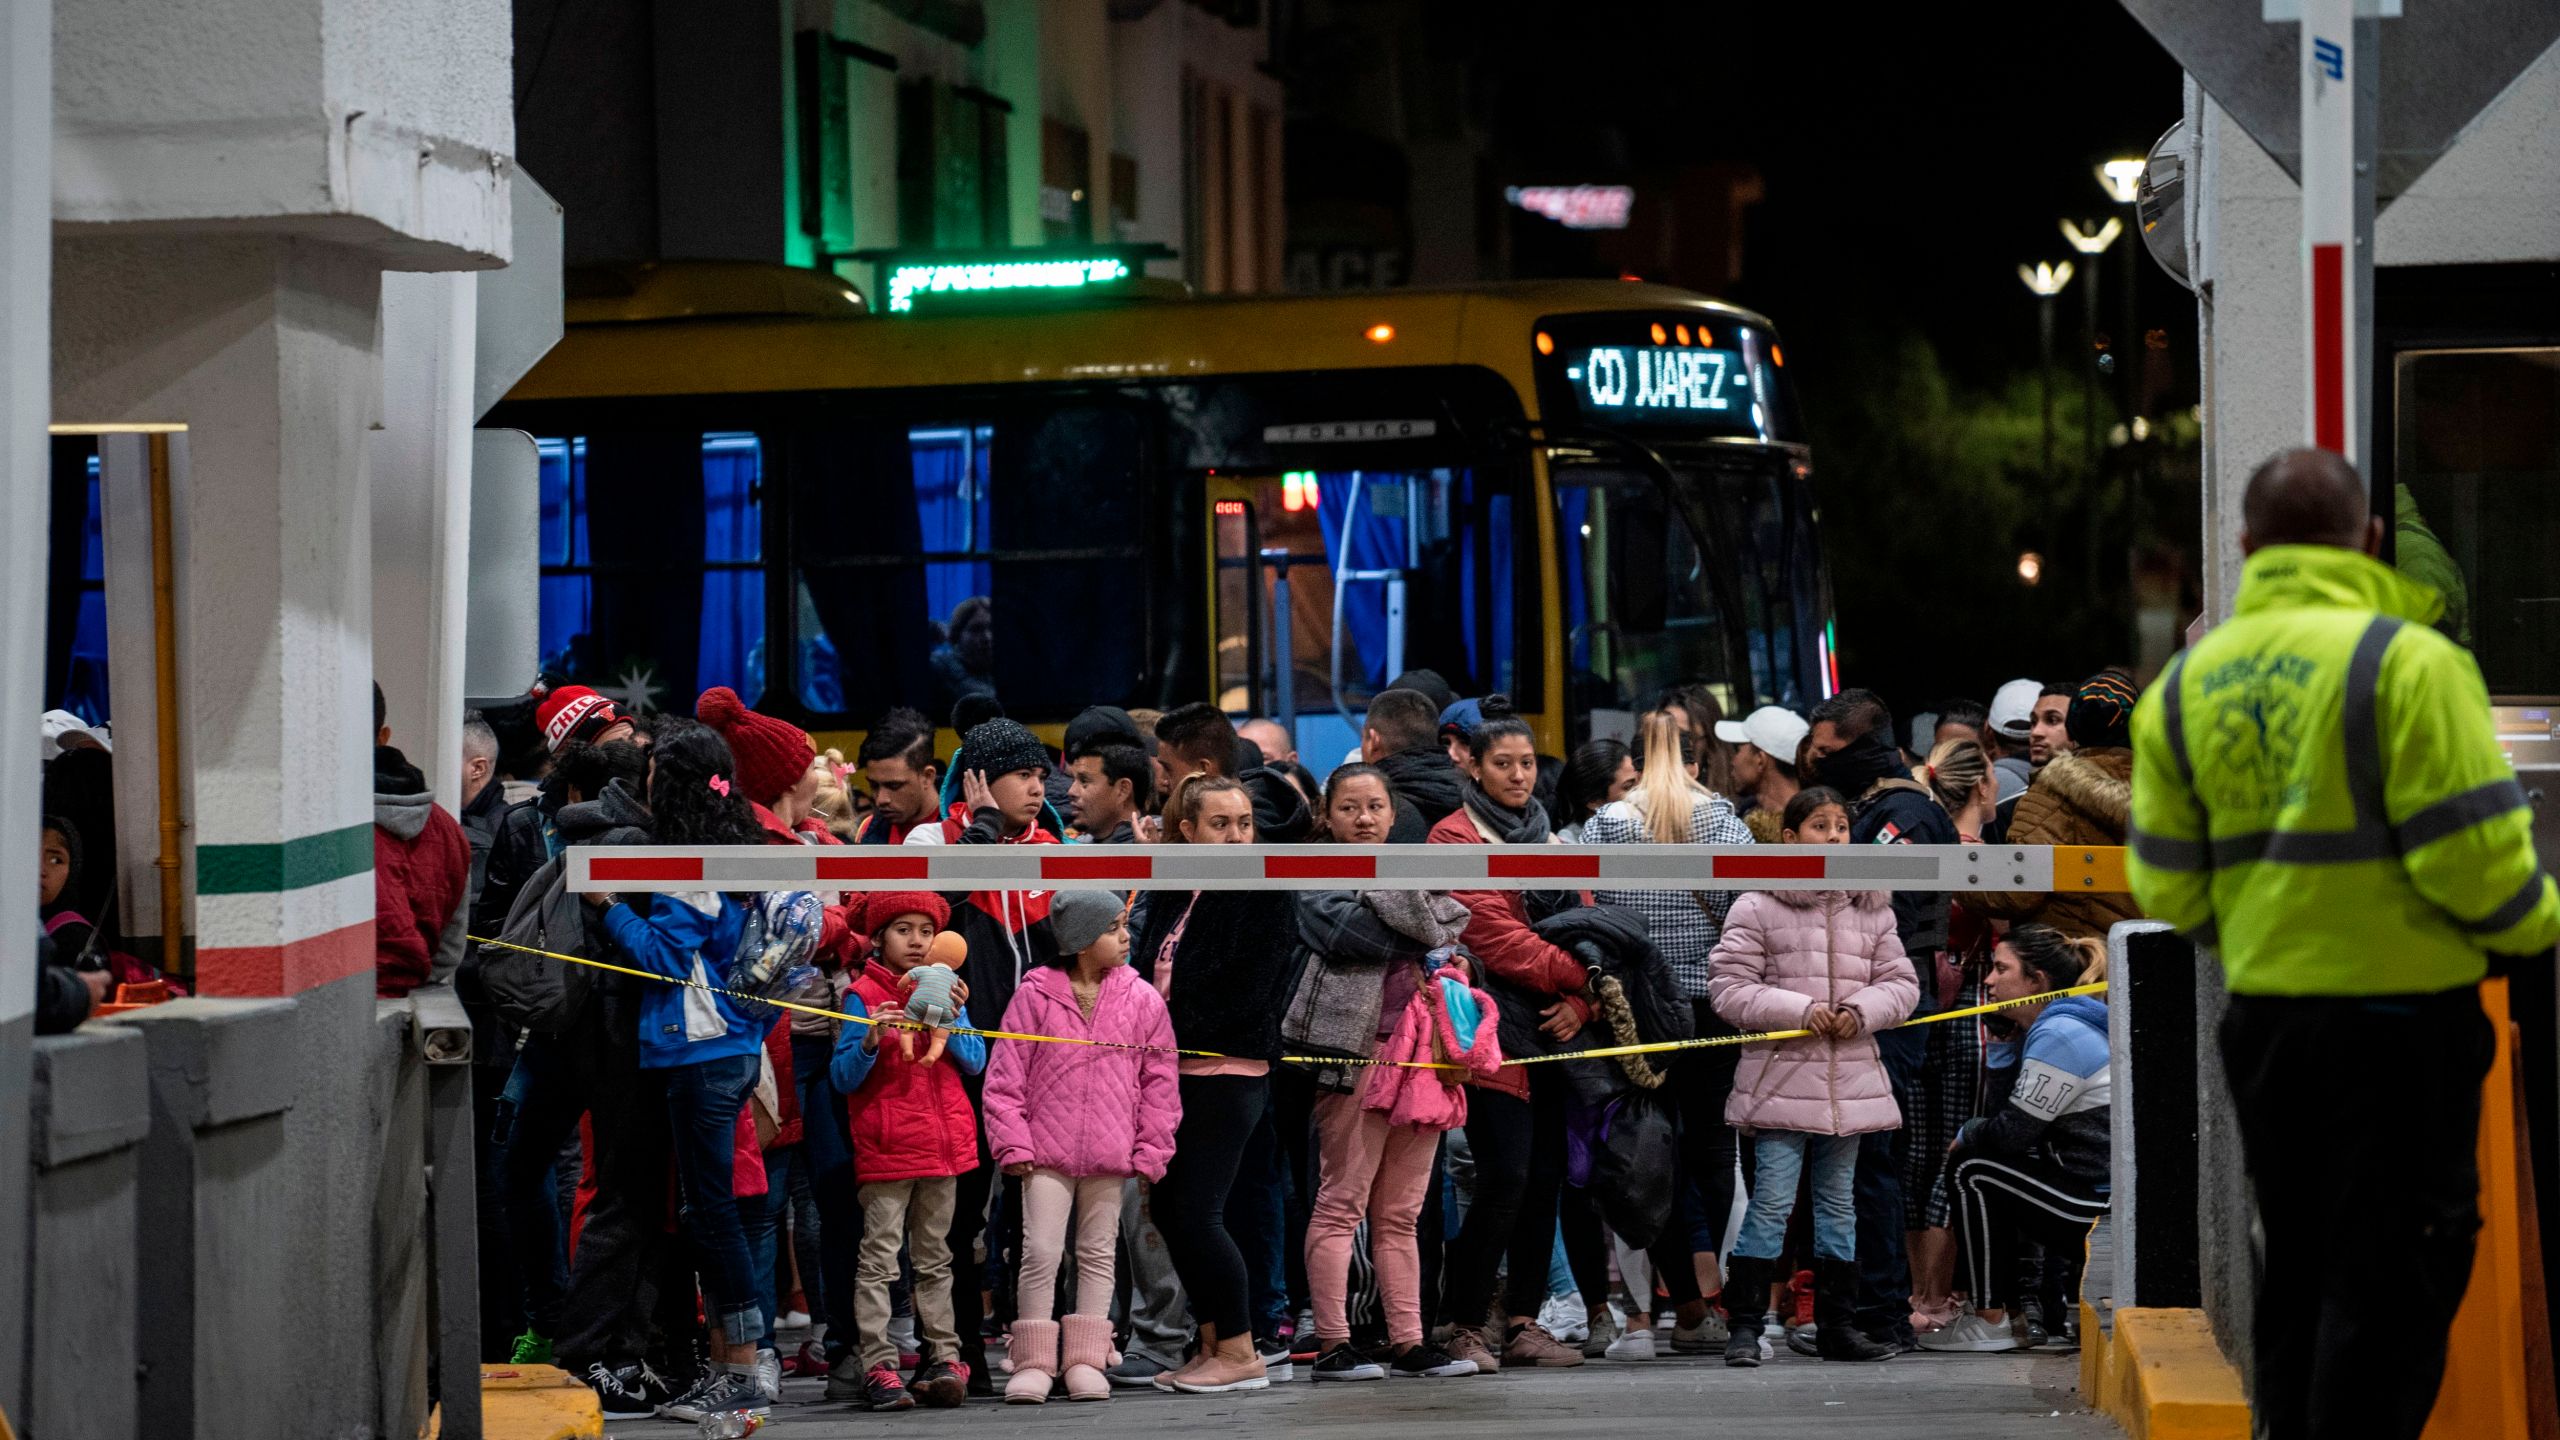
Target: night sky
{"type": "Point", "coordinates": [1913, 155]}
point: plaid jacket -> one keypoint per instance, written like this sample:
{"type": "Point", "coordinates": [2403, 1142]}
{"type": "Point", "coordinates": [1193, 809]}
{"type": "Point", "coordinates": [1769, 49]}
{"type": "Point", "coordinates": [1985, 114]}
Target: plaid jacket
{"type": "Point", "coordinates": [1685, 923]}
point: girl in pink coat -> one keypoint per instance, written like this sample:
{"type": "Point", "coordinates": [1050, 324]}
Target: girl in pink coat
{"type": "Point", "coordinates": [1074, 1122]}
{"type": "Point", "coordinates": [1828, 962]}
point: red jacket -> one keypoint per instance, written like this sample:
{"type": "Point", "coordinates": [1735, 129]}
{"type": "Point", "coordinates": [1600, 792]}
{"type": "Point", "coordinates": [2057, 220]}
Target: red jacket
{"type": "Point", "coordinates": [421, 870]}
{"type": "Point", "coordinates": [910, 1120]}
{"type": "Point", "coordinates": [1498, 935]}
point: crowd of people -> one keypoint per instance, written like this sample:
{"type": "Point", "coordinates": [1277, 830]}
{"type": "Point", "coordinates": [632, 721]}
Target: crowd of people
{"type": "Point", "coordinates": [677, 1177]}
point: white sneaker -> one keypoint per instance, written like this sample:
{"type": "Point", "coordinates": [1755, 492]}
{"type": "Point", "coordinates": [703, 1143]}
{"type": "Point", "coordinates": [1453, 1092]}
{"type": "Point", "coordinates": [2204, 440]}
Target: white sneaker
{"type": "Point", "coordinates": [1970, 1334]}
{"type": "Point", "coordinates": [1566, 1318]}
{"type": "Point", "coordinates": [1634, 1345]}
{"type": "Point", "coordinates": [769, 1375]}
{"type": "Point", "coordinates": [1772, 1330]}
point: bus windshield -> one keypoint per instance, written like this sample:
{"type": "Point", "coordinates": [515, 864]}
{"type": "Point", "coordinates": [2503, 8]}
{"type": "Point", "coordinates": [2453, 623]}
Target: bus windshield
{"type": "Point", "coordinates": [1707, 571]}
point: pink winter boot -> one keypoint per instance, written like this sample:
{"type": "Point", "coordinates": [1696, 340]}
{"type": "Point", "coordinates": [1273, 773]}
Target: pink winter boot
{"type": "Point", "coordinates": [1034, 1352]}
{"type": "Point", "coordinates": [1087, 1355]}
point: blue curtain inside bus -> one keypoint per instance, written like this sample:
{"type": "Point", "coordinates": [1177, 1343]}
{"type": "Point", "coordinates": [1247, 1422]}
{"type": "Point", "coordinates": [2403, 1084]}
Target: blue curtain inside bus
{"type": "Point", "coordinates": [1461, 604]}
{"type": "Point", "coordinates": [80, 686]}
{"type": "Point", "coordinates": [953, 511]}
{"type": "Point", "coordinates": [1574, 503]}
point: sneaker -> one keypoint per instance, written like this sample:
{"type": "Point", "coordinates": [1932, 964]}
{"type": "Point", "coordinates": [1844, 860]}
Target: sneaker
{"type": "Point", "coordinates": [791, 1320]}
{"type": "Point", "coordinates": [1278, 1359]}
{"type": "Point", "coordinates": [1429, 1362]}
{"type": "Point", "coordinates": [1804, 1340]}
{"type": "Point", "coordinates": [726, 1392]}
{"type": "Point", "coordinates": [532, 1348]}
{"type": "Point", "coordinates": [883, 1390]}
{"type": "Point", "coordinates": [1216, 1375]}
{"type": "Point", "coordinates": [1566, 1318]}
{"type": "Point", "coordinates": [808, 1362]}
{"type": "Point", "coordinates": [1970, 1335]}
{"type": "Point", "coordinates": [658, 1387]}
{"type": "Point", "coordinates": [845, 1380]}
{"type": "Point", "coordinates": [1344, 1363]}
{"type": "Point", "coordinates": [1773, 1333]}
{"type": "Point", "coordinates": [1704, 1338]}
{"type": "Point", "coordinates": [768, 1374]}
{"type": "Point", "coordinates": [1535, 1349]}
{"type": "Point", "coordinates": [1634, 1345]}
{"type": "Point", "coordinates": [618, 1392]}
{"type": "Point", "coordinates": [944, 1384]}
{"type": "Point", "coordinates": [1745, 1349]}
{"type": "Point", "coordinates": [1467, 1343]}
{"type": "Point", "coordinates": [1135, 1372]}
{"type": "Point", "coordinates": [1602, 1333]}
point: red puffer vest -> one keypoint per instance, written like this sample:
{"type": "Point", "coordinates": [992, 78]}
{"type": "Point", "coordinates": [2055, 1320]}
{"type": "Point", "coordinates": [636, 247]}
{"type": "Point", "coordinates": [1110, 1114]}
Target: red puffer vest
{"type": "Point", "coordinates": [910, 1120]}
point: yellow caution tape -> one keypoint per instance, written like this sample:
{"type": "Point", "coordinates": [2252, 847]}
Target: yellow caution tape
{"type": "Point", "coordinates": [1604, 1053]}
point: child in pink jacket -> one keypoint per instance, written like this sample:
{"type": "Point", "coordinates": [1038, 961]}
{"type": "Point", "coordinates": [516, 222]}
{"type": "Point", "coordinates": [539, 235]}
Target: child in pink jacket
{"type": "Point", "coordinates": [1826, 962]}
{"type": "Point", "coordinates": [1074, 1121]}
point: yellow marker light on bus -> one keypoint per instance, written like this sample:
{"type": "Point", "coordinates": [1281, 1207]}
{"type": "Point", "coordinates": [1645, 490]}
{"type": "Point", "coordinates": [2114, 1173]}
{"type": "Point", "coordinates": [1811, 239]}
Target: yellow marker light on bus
{"type": "Point", "coordinates": [1660, 336]}
{"type": "Point", "coordinates": [1704, 338]}
{"type": "Point", "coordinates": [1778, 357]}
{"type": "Point", "coordinates": [1682, 331]}
{"type": "Point", "coordinates": [1380, 334]}
{"type": "Point", "coordinates": [1546, 343]}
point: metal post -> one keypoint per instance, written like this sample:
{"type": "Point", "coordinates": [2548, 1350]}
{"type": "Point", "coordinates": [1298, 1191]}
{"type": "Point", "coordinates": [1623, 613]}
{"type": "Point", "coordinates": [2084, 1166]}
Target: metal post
{"type": "Point", "coordinates": [1284, 664]}
{"type": "Point", "coordinates": [2044, 372]}
{"type": "Point", "coordinates": [2340, 102]}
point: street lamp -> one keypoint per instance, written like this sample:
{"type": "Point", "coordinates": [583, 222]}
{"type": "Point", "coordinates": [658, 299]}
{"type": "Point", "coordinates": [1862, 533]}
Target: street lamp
{"type": "Point", "coordinates": [2046, 279]}
{"type": "Point", "coordinates": [2122, 178]}
{"type": "Point", "coordinates": [2091, 241]}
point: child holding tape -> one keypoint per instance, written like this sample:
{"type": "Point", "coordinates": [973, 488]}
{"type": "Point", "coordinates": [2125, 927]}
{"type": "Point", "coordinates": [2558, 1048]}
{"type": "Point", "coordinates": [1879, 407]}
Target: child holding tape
{"type": "Point", "coordinates": [1827, 961]}
{"type": "Point", "coordinates": [914, 1134]}
{"type": "Point", "coordinates": [1072, 1122]}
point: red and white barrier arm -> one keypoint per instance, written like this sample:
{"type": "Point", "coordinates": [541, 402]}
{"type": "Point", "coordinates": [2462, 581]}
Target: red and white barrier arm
{"type": "Point", "coordinates": [2089, 869]}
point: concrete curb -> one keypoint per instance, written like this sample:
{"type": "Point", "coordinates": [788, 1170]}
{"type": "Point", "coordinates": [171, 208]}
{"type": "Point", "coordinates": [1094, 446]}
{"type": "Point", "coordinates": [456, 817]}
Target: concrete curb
{"type": "Point", "coordinates": [2161, 1377]}
{"type": "Point", "coordinates": [536, 1402]}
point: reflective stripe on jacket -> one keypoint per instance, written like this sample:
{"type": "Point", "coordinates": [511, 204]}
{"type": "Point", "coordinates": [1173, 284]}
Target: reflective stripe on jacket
{"type": "Point", "coordinates": [2318, 791]}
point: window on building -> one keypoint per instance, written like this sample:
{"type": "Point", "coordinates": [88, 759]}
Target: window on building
{"type": "Point", "coordinates": [993, 554]}
{"type": "Point", "coordinates": [2477, 464]}
{"type": "Point", "coordinates": [1124, 198]}
{"type": "Point", "coordinates": [951, 167]}
{"type": "Point", "coordinates": [1066, 183]}
{"type": "Point", "coordinates": [652, 563]}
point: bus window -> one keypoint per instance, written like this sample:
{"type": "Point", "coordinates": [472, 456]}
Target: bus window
{"type": "Point", "coordinates": [652, 562]}
{"type": "Point", "coordinates": [979, 556]}
{"type": "Point", "coordinates": [1639, 608]}
{"type": "Point", "coordinates": [75, 672]}
{"type": "Point", "coordinates": [1453, 532]}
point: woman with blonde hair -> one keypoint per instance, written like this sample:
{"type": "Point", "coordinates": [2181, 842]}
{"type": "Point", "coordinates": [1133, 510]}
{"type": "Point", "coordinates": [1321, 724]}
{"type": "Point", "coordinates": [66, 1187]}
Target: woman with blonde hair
{"type": "Point", "coordinates": [1669, 807]}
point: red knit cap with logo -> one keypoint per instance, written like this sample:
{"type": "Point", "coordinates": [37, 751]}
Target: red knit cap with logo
{"type": "Point", "coordinates": [886, 905]}
{"type": "Point", "coordinates": [573, 712]}
{"type": "Point", "coordinates": [772, 754]}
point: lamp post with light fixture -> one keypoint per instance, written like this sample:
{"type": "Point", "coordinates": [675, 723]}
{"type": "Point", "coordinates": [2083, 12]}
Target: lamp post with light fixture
{"type": "Point", "coordinates": [2045, 280]}
{"type": "Point", "coordinates": [2091, 241]}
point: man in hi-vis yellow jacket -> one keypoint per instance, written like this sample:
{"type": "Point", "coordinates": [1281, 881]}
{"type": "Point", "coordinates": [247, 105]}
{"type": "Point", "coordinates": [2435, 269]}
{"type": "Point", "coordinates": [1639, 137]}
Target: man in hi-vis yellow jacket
{"type": "Point", "coordinates": [2318, 795]}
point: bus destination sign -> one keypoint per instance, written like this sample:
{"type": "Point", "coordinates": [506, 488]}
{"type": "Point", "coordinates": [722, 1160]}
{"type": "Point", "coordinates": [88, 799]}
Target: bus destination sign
{"type": "Point", "coordinates": [1625, 381]}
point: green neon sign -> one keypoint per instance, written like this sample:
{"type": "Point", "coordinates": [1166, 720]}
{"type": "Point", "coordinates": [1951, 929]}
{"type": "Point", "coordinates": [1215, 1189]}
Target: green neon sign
{"type": "Point", "coordinates": [981, 279]}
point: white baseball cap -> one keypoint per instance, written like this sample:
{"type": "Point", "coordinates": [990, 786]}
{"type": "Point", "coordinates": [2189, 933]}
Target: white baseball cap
{"type": "Point", "coordinates": [2013, 710]}
{"type": "Point", "coordinates": [1774, 728]}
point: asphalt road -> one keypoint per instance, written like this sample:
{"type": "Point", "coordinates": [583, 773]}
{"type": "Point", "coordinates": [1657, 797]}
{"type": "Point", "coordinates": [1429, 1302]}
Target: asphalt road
{"type": "Point", "coordinates": [1912, 1397]}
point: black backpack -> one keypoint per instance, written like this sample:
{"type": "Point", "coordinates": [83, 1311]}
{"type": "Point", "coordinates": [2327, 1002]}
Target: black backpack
{"type": "Point", "coordinates": [536, 992]}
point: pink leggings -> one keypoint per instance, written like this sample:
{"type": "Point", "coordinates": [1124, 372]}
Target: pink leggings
{"type": "Point", "coordinates": [1047, 1196]}
{"type": "Point", "coordinates": [1368, 1169]}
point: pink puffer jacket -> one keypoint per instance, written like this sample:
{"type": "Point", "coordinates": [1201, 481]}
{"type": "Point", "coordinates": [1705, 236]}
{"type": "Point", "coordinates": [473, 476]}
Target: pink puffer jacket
{"type": "Point", "coordinates": [1783, 951]}
{"type": "Point", "coordinates": [1085, 1109]}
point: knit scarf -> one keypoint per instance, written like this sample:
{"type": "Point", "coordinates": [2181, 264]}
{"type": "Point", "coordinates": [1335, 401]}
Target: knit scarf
{"type": "Point", "coordinates": [1524, 826]}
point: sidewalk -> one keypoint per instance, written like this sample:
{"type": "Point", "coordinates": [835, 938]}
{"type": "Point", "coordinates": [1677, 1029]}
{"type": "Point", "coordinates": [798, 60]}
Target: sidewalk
{"type": "Point", "coordinates": [1912, 1397]}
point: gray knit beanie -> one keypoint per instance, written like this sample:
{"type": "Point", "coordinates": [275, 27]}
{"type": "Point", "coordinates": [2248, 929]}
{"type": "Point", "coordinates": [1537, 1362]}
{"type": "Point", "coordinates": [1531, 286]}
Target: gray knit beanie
{"type": "Point", "coordinates": [1077, 918]}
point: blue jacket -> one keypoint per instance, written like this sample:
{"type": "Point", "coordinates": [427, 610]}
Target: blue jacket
{"type": "Point", "coordinates": [685, 937]}
{"type": "Point", "coordinates": [2059, 1109]}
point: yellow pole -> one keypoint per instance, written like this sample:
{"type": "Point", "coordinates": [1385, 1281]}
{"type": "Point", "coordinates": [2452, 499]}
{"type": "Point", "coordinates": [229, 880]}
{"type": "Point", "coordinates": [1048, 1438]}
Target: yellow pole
{"type": "Point", "coordinates": [164, 638]}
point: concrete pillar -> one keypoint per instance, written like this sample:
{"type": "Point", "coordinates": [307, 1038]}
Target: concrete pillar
{"type": "Point", "coordinates": [264, 347]}
{"type": "Point", "coordinates": [91, 1111]}
{"type": "Point", "coordinates": [26, 278]}
{"type": "Point", "coordinates": [421, 460]}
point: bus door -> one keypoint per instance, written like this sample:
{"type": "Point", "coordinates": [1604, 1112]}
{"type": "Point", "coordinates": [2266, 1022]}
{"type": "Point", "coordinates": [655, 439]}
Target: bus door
{"type": "Point", "coordinates": [1342, 580]}
{"type": "Point", "coordinates": [1293, 622]}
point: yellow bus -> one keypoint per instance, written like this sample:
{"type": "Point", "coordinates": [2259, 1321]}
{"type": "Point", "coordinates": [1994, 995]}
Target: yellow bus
{"type": "Point", "coordinates": [1578, 493]}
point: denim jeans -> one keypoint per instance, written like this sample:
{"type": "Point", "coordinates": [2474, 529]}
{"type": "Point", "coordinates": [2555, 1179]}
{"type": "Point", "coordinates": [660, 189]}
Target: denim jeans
{"type": "Point", "coordinates": [1783, 1156]}
{"type": "Point", "coordinates": [762, 1218]}
{"type": "Point", "coordinates": [702, 1108]}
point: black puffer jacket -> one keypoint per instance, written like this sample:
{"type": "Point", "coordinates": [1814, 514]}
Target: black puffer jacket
{"type": "Point", "coordinates": [1428, 789]}
{"type": "Point", "coordinates": [1231, 970]}
{"type": "Point", "coordinates": [1614, 941]}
